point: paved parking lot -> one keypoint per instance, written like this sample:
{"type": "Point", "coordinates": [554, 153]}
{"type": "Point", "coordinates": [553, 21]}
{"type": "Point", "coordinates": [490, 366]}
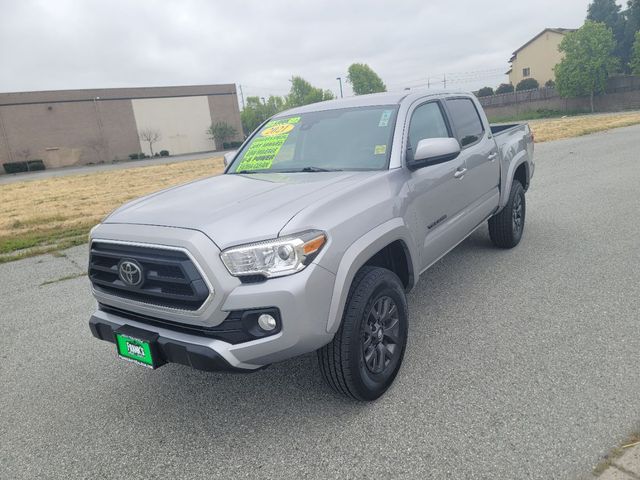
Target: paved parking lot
{"type": "Point", "coordinates": [521, 363]}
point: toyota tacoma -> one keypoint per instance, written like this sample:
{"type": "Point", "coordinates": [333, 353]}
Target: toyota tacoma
{"type": "Point", "coordinates": [309, 241]}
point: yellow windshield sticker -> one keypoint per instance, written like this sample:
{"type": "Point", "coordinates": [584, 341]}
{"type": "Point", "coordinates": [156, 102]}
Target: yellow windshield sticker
{"type": "Point", "coordinates": [277, 130]}
{"type": "Point", "coordinates": [380, 150]}
{"type": "Point", "coordinates": [266, 146]}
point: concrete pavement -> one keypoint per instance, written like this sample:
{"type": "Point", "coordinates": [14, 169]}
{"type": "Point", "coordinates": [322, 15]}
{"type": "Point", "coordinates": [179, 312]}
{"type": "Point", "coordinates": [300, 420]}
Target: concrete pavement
{"type": "Point", "coordinates": [626, 466]}
{"type": "Point", "coordinates": [520, 363]}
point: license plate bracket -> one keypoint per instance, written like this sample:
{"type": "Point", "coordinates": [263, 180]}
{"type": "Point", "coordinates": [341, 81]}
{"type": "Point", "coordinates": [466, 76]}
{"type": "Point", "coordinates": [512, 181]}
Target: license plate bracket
{"type": "Point", "coordinates": [138, 346]}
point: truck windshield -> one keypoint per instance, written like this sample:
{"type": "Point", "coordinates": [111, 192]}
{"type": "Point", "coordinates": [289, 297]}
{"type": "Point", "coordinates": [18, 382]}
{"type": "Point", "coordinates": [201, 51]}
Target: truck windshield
{"type": "Point", "coordinates": [341, 139]}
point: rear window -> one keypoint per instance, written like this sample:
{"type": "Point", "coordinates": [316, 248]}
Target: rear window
{"type": "Point", "coordinates": [466, 120]}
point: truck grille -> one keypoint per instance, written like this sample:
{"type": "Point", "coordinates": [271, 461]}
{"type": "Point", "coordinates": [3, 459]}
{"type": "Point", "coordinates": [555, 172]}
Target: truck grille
{"type": "Point", "coordinates": [168, 278]}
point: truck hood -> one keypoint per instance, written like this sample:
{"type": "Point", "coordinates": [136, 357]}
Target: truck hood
{"type": "Point", "coordinates": [235, 209]}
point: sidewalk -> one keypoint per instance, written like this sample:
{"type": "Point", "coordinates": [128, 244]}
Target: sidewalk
{"type": "Point", "coordinates": [622, 464]}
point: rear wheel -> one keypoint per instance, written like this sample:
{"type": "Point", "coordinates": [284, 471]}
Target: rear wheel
{"type": "Point", "coordinates": [507, 226]}
{"type": "Point", "coordinates": [366, 353]}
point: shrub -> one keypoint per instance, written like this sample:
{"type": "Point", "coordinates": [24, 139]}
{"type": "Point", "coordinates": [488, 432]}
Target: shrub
{"type": "Point", "coordinates": [35, 165]}
{"type": "Point", "coordinates": [485, 92]}
{"type": "Point", "coordinates": [220, 132]}
{"type": "Point", "coordinates": [27, 166]}
{"type": "Point", "coordinates": [527, 84]}
{"type": "Point", "coordinates": [15, 167]}
{"type": "Point", "coordinates": [231, 145]}
{"type": "Point", "coordinates": [550, 84]}
{"type": "Point", "coordinates": [164, 153]}
{"type": "Point", "coordinates": [137, 156]}
{"type": "Point", "coordinates": [504, 88]}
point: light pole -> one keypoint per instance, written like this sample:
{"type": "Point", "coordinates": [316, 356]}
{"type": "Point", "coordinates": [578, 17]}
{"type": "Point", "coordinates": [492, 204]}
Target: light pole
{"type": "Point", "coordinates": [340, 81]}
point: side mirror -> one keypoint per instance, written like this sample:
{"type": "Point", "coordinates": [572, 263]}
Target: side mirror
{"type": "Point", "coordinates": [431, 151]}
{"type": "Point", "coordinates": [229, 156]}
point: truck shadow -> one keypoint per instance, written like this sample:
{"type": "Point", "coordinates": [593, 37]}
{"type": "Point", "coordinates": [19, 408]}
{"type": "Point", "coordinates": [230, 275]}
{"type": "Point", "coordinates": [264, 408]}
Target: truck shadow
{"type": "Point", "coordinates": [286, 393]}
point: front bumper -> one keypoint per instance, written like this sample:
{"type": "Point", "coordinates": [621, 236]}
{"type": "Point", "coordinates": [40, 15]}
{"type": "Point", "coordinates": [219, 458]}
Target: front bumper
{"type": "Point", "coordinates": [302, 300]}
{"type": "Point", "coordinates": [173, 351]}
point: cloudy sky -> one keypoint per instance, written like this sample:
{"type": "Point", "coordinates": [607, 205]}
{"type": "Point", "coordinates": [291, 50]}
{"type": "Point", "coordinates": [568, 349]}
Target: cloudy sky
{"type": "Point", "coordinates": [260, 44]}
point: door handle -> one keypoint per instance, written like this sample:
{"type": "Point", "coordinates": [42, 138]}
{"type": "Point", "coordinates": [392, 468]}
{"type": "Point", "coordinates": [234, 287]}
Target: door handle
{"type": "Point", "coordinates": [493, 156]}
{"type": "Point", "coordinates": [460, 172]}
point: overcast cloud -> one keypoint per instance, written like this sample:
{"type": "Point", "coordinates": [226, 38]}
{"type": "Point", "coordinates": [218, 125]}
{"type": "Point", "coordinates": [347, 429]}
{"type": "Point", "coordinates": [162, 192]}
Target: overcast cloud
{"type": "Point", "coordinates": [64, 44]}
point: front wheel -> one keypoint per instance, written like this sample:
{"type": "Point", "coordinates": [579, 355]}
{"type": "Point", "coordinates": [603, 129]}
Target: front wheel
{"type": "Point", "coordinates": [366, 353]}
{"type": "Point", "coordinates": [507, 226]}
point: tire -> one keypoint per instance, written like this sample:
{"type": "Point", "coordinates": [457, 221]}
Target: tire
{"type": "Point", "coordinates": [366, 353]}
{"type": "Point", "coordinates": [507, 226]}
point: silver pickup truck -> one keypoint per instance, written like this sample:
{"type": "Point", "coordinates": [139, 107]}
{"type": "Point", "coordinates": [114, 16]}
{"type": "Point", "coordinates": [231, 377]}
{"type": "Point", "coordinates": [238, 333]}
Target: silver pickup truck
{"type": "Point", "coordinates": [309, 241]}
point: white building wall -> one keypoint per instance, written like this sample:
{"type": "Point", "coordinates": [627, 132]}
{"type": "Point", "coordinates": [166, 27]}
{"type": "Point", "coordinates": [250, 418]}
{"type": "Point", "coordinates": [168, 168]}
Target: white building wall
{"type": "Point", "coordinates": [181, 121]}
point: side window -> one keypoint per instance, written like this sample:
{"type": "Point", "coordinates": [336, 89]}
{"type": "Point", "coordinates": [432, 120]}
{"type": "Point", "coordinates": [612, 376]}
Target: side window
{"type": "Point", "coordinates": [466, 120]}
{"type": "Point", "coordinates": [427, 121]}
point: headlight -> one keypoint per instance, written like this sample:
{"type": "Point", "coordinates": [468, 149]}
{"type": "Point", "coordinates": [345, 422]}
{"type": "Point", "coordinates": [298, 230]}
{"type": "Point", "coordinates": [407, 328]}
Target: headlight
{"type": "Point", "coordinates": [274, 258]}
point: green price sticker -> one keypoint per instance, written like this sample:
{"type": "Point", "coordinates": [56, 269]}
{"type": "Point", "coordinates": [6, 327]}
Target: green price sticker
{"type": "Point", "coordinates": [262, 152]}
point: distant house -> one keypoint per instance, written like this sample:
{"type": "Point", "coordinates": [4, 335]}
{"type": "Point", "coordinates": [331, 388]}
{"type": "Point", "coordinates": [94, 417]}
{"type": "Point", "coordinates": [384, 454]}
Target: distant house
{"type": "Point", "coordinates": [537, 57]}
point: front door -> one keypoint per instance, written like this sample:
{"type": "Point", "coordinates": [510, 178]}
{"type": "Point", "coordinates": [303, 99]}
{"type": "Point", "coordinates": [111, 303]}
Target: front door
{"type": "Point", "coordinates": [436, 197]}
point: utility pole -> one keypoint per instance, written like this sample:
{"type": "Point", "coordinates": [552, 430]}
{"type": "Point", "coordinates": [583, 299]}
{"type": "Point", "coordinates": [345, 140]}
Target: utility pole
{"type": "Point", "coordinates": [340, 81]}
{"type": "Point", "coordinates": [241, 96]}
{"type": "Point", "coordinates": [428, 83]}
{"type": "Point", "coordinates": [444, 76]}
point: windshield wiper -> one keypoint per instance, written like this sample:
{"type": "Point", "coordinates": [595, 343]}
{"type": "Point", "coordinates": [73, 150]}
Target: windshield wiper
{"type": "Point", "coordinates": [314, 169]}
{"type": "Point", "coordinates": [248, 172]}
{"type": "Point", "coordinates": [304, 169]}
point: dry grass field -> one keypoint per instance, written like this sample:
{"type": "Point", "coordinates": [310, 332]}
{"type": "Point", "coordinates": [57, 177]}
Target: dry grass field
{"type": "Point", "coordinates": [48, 215]}
{"type": "Point", "coordinates": [554, 129]}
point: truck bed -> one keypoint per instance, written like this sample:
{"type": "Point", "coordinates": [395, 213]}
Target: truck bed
{"type": "Point", "coordinates": [503, 127]}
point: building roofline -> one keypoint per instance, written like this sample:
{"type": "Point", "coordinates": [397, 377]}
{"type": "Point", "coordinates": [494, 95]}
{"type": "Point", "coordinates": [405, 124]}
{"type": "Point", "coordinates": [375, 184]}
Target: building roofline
{"type": "Point", "coordinates": [561, 31]}
{"type": "Point", "coordinates": [126, 93]}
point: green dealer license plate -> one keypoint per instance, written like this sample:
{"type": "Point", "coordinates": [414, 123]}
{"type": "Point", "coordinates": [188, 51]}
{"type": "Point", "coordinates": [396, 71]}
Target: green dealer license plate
{"type": "Point", "coordinates": [137, 346]}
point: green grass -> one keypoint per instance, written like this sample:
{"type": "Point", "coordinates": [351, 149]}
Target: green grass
{"type": "Point", "coordinates": [54, 248]}
{"type": "Point", "coordinates": [42, 238]}
{"type": "Point", "coordinates": [534, 115]}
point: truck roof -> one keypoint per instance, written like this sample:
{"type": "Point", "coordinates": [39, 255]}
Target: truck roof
{"type": "Point", "coordinates": [371, 100]}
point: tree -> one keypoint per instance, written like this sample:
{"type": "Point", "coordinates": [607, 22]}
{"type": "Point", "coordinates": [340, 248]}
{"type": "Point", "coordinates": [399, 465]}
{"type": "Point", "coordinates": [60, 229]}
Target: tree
{"type": "Point", "coordinates": [608, 12]}
{"type": "Point", "coordinates": [635, 56]}
{"type": "Point", "coordinates": [632, 25]}
{"type": "Point", "coordinates": [504, 88]}
{"type": "Point", "coordinates": [303, 93]}
{"type": "Point", "coordinates": [527, 84]}
{"type": "Point", "coordinates": [220, 132]}
{"type": "Point", "coordinates": [255, 112]}
{"type": "Point", "coordinates": [588, 61]}
{"type": "Point", "coordinates": [151, 136]}
{"type": "Point", "coordinates": [485, 92]}
{"type": "Point", "coordinates": [550, 83]}
{"type": "Point", "coordinates": [364, 80]}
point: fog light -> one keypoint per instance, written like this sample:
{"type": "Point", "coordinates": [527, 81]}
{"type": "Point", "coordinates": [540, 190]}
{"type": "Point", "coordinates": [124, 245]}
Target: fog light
{"type": "Point", "coordinates": [266, 322]}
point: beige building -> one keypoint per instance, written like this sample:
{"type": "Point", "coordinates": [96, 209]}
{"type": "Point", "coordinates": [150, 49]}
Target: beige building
{"type": "Point", "coordinates": [537, 57]}
{"type": "Point", "coordinates": [76, 127]}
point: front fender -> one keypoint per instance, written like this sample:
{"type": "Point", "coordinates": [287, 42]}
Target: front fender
{"type": "Point", "coordinates": [357, 255]}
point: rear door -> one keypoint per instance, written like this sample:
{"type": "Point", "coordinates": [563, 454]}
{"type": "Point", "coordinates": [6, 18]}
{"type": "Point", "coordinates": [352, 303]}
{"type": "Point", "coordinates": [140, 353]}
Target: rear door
{"type": "Point", "coordinates": [480, 153]}
{"type": "Point", "coordinates": [436, 197]}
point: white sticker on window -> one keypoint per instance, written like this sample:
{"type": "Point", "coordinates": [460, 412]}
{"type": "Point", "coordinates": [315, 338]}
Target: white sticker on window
{"type": "Point", "coordinates": [384, 118]}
